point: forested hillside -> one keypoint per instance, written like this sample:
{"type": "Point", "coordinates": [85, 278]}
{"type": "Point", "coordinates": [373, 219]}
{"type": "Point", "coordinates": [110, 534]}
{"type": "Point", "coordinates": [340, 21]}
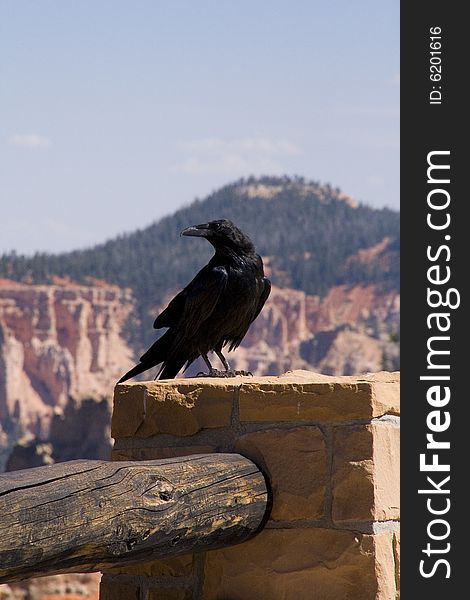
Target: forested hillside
{"type": "Point", "coordinates": [313, 236]}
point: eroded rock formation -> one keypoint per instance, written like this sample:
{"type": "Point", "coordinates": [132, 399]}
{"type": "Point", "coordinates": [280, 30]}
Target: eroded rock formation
{"type": "Point", "coordinates": [353, 329]}
{"type": "Point", "coordinates": [57, 343]}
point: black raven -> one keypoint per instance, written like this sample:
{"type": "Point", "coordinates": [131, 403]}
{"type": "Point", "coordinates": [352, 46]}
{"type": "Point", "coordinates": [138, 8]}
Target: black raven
{"type": "Point", "coordinates": [215, 309]}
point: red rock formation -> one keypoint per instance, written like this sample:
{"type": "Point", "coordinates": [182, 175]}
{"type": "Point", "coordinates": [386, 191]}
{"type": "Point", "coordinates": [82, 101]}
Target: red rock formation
{"type": "Point", "coordinates": [352, 304]}
{"type": "Point", "coordinates": [72, 586]}
{"type": "Point", "coordinates": [56, 342]}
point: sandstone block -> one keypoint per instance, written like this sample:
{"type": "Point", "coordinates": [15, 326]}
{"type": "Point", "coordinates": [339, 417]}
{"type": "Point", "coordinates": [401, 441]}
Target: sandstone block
{"type": "Point", "coordinates": [170, 594]}
{"type": "Point", "coordinates": [111, 590]}
{"type": "Point", "coordinates": [304, 564]}
{"type": "Point", "coordinates": [396, 555]}
{"type": "Point", "coordinates": [180, 407]}
{"type": "Point", "coordinates": [305, 396]}
{"type": "Point", "coordinates": [353, 474]}
{"type": "Point", "coordinates": [173, 566]}
{"type": "Point", "coordinates": [128, 412]}
{"type": "Point", "coordinates": [385, 565]}
{"type": "Point", "coordinates": [295, 462]}
{"type": "Point", "coordinates": [123, 455]}
{"type": "Point", "coordinates": [156, 453]}
{"type": "Point", "coordinates": [366, 472]}
{"type": "Point", "coordinates": [386, 459]}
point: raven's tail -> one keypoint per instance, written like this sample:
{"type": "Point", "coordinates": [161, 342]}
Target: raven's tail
{"type": "Point", "coordinates": [156, 354]}
{"type": "Point", "coordinates": [171, 367]}
{"type": "Point", "coordinates": [140, 368]}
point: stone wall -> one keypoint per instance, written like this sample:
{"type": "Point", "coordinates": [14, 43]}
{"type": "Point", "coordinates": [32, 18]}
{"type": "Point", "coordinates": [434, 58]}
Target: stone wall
{"type": "Point", "coordinates": [330, 449]}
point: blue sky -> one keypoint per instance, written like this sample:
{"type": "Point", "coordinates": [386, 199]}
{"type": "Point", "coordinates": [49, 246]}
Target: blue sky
{"type": "Point", "coordinates": [115, 113]}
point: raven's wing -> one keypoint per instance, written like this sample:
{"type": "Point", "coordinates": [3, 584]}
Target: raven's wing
{"type": "Point", "coordinates": [170, 316]}
{"type": "Point", "coordinates": [264, 296]}
{"type": "Point", "coordinates": [210, 279]}
{"type": "Point", "coordinates": [266, 289]}
{"type": "Point", "coordinates": [202, 298]}
{"type": "Point", "coordinates": [195, 303]}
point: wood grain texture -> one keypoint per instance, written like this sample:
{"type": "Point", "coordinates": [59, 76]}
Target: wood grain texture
{"type": "Point", "coordinates": [85, 515]}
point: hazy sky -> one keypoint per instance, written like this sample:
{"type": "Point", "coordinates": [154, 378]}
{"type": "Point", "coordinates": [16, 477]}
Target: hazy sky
{"type": "Point", "coordinates": [114, 113]}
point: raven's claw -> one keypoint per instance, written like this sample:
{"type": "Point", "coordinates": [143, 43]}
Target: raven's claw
{"type": "Point", "coordinates": [228, 373]}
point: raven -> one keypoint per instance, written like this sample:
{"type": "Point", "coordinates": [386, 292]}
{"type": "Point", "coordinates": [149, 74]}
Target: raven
{"type": "Point", "coordinates": [214, 310]}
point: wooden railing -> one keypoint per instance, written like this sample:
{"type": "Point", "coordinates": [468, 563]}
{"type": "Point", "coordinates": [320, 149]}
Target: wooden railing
{"type": "Point", "coordinates": [85, 515]}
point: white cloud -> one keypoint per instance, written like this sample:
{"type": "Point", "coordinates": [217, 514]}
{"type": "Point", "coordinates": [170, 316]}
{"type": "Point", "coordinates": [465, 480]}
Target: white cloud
{"type": "Point", "coordinates": [235, 157]}
{"type": "Point", "coordinates": [30, 140]}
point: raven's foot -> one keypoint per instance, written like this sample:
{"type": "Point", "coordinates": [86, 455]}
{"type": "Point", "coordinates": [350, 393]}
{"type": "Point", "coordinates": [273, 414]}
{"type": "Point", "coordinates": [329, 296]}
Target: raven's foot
{"type": "Point", "coordinates": [213, 373]}
{"type": "Point", "coordinates": [228, 373]}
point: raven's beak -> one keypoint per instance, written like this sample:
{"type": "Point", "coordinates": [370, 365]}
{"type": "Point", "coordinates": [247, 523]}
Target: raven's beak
{"type": "Point", "coordinates": [197, 230]}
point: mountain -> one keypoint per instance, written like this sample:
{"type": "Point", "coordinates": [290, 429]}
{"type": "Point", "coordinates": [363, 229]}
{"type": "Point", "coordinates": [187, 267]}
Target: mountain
{"type": "Point", "coordinates": [312, 236]}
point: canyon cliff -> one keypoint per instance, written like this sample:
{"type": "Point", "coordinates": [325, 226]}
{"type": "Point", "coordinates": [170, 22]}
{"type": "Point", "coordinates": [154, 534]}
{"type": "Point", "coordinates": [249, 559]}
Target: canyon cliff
{"type": "Point", "coordinates": [59, 346]}
{"type": "Point", "coordinates": [353, 329]}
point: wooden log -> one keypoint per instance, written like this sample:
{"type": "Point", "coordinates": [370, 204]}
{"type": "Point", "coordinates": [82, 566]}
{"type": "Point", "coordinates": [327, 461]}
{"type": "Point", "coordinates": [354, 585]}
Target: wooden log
{"type": "Point", "coordinates": [85, 515]}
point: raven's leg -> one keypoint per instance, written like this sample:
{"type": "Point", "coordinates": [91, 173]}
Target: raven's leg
{"type": "Point", "coordinates": [223, 359]}
{"type": "Point", "coordinates": [215, 372]}
{"type": "Point", "coordinates": [212, 372]}
{"type": "Point", "coordinates": [230, 372]}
